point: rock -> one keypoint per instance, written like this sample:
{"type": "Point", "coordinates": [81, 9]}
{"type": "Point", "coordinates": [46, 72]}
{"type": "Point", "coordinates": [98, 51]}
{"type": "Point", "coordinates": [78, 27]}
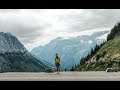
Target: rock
{"type": "Point", "coordinates": [49, 70]}
{"type": "Point", "coordinates": [112, 70]}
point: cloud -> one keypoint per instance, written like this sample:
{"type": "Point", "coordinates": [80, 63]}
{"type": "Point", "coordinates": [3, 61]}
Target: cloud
{"type": "Point", "coordinates": [38, 26]}
{"type": "Point", "coordinates": [92, 19]}
{"type": "Point", "coordinates": [22, 25]}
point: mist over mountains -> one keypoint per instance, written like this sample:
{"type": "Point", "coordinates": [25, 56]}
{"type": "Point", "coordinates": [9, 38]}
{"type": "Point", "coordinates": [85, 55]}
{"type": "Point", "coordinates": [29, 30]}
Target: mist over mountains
{"type": "Point", "coordinates": [71, 49]}
{"type": "Point", "coordinates": [106, 56]}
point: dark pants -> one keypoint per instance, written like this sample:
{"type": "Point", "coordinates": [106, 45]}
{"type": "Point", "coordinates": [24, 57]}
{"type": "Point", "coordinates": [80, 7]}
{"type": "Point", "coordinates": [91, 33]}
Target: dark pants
{"type": "Point", "coordinates": [57, 67]}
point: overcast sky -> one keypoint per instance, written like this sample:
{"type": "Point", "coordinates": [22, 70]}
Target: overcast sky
{"type": "Point", "coordinates": [34, 27]}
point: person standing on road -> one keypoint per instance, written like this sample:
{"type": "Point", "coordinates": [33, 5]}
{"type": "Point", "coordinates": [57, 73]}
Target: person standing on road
{"type": "Point", "coordinates": [57, 63]}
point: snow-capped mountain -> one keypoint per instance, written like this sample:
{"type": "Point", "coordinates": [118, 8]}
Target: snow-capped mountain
{"type": "Point", "coordinates": [71, 49]}
{"type": "Point", "coordinates": [15, 57]}
{"type": "Point", "coordinates": [9, 43]}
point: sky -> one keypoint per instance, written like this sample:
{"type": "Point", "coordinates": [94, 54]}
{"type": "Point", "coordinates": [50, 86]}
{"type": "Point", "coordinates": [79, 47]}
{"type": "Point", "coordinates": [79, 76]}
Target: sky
{"type": "Point", "coordinates": [34, 27]}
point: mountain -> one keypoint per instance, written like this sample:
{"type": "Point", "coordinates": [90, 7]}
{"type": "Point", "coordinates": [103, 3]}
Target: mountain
{"type": "Point", "coordinates": [15, 57]}
{"type": "Point", "coordinates": [71, 49]}
{"type": "Point", "coordinates": [107, 56]}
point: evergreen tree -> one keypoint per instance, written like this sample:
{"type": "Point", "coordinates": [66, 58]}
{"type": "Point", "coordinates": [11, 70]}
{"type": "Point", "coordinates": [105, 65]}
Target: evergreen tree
{"type": "Point", "coordinates": [90, 55]}
{"type": "Point", "coordinates": [72, 69]}
{"type": "Point", "coordinates": [65, 69]}
{"type": "Point", "coordinates": [114, 31]}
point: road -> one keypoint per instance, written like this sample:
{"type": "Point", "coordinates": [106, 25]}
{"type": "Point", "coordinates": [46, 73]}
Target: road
{"type": "Point", "coordinates": [63, 76]}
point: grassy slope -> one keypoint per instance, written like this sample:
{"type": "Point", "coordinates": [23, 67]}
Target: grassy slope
{"type": "Point", "coordinates": [107, 56]}
{"type": "Point", "coordinates": [21, 63]}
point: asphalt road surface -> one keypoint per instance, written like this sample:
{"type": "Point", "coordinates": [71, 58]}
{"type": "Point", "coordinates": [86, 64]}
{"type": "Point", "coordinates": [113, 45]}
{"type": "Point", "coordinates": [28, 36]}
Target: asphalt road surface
{"type": "Point", "coordinates": [63, 76]}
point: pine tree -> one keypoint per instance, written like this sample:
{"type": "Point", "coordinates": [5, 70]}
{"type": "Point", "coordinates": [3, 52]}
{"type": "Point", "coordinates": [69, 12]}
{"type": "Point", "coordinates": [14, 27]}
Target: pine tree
{"type": "Point", "coordinates": [114, 31]}
{"type": "Point", "coordinates": [65, 69]}
{"type": "Point", "coordinates": [91, 54]}
{"type": "Point", "coordinates": [72, 69]}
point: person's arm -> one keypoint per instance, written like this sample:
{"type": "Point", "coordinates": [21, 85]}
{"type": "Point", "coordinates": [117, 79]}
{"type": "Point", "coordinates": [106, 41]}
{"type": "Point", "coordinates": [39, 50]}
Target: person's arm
{"type": "Point", "coordinates": [59, 60]}
{"type": "Point", "coordinates": [55, 60]}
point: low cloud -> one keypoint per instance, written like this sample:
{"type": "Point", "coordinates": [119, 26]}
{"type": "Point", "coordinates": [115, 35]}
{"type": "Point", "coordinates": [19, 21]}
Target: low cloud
{"type": "Point", "coordinates": [36, 25]}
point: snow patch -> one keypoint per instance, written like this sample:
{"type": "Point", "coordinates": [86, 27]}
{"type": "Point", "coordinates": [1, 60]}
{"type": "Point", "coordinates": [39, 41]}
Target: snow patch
{"type": "Point", "coordinates": [82, 41]}
{"type": "Point", "coordinates": [104, 37]}
{"type": "Point", "coordinates": [9, 43]}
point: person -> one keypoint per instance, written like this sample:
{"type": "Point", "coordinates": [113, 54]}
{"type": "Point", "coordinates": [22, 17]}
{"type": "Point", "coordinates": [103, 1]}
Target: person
{"type": "Point", "coordinates": [57, 63]}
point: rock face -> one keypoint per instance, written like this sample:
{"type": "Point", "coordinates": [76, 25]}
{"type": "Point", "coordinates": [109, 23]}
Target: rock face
{"type": "Point", "coordinates": [71, 49]}
{"type": "Point", "coordinates": [9, 43]}
{"type": "Point", "coordinates": [15, 57]}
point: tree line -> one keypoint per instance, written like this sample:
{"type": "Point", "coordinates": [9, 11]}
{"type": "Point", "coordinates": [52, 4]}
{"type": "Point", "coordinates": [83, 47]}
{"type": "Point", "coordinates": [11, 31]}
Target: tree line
{"type": "Point", "coordinates": [114, 31]}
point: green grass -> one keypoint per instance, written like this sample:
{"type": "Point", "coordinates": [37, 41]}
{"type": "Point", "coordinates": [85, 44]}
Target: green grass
{"type": "Point", "coordinates": [19, 63]}
{"type": "Point", "coordinates": [109, 54]}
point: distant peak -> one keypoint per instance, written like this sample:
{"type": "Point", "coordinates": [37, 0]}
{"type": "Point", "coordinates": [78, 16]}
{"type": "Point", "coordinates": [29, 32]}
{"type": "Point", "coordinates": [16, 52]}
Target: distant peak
{"type": "Point", "coordinates": [59, 38]}
{"type": "Point", "coordinates": [99, 33]}
{"type": "Point", "coordinates": [3, 33]}
{"type": "Point", "coordinates": [10, 43]}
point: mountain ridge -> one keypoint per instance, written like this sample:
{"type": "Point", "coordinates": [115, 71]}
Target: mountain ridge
{"type": "Point", "coordinates": [69, 50]}
{"type": "Point", "coordinates": [14, 57]}
{"type": "Point", "coordinates": [108, 55]}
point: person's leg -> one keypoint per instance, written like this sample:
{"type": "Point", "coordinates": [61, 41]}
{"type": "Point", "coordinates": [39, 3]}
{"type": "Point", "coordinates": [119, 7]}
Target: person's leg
{"type": "Point", "coordinates": [57, 69]}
